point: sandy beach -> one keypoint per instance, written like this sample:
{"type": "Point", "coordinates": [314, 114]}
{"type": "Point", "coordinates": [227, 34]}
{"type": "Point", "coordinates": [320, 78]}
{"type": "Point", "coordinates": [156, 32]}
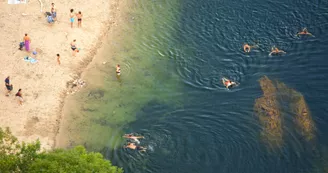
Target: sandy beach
{"type": "Point", "coordinates": [44, 84]}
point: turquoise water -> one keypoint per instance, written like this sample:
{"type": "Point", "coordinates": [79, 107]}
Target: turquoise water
{"type": "Point", "coordinates": [174, 56]}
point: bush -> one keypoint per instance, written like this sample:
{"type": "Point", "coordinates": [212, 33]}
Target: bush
{"type": "Point", "coordinates": [27, 158]}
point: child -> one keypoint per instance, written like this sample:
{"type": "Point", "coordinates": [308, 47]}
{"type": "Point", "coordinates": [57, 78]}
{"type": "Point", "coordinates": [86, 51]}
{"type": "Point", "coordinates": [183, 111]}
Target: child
{"type": "Point", "coordinates": [58, 59]}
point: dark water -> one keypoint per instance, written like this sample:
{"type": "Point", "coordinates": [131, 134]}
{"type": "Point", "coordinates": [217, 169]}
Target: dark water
{"type": "Point", "coordinates": [216, 130]}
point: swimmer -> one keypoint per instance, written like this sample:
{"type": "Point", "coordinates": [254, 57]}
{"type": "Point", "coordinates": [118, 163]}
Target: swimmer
{"type": "Point", "coordinates": [275, 50]}
{"type": "Point", "coordinates": [135, 138]}
{"type": "Point", "coordinates": [132, 146]}
{"type": "Point", "coordinates": [247, 47]}
{"type": "Point", "coordinates": [228, 83]}
{"type": "Point", "coordinates": [304, 32]}
{"type": "Point", "coordinates": [118, 69]}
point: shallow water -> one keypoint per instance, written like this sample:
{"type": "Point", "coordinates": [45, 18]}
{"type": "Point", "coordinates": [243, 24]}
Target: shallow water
{"type": "Point", "coordinates": [190, 121]}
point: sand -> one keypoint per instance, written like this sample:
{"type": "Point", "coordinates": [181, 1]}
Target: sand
{"type": "Point", "coordinates": [44, 84]}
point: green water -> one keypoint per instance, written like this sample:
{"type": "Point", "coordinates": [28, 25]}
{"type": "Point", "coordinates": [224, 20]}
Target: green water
{"type": "Point", "coordinates": [97, 115]}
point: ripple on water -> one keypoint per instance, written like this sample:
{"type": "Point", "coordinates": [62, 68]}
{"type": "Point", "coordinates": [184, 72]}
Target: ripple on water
{"type": "Point", "coordinates": [188, 135]}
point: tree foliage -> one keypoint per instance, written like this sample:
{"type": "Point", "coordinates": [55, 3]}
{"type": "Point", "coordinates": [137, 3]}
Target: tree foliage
{"type": "Point", "coordinates": [27, 158]}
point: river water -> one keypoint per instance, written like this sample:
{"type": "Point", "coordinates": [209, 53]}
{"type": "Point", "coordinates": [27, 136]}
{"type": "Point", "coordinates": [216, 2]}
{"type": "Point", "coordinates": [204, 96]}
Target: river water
{"type": "Point", "coordinates": [173, 55]}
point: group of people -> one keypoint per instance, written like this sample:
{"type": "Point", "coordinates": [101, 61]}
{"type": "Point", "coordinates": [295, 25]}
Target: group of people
{"type": "Point", "coordinates": [134, 142]}
{"type": "Point", "coordinates": [9, 88]}
{"type": "Point", "coordinates": [274, 51]}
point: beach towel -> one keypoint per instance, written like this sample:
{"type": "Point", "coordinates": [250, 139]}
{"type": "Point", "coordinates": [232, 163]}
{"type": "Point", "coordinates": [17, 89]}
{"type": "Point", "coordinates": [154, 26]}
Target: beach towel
{"type": "Point", "coordinates": [17, 1]}
{"type": "Point", "coordinates": [30, 59]}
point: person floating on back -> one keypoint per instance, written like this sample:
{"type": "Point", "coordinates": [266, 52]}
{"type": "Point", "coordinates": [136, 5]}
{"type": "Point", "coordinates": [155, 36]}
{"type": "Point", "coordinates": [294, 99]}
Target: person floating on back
{"type": "Point", "coordinates": [275, 51]}
{"type": "Point", "coordinates": [304, 32]}
{"type": "Point", "coordinates": [228, 83]}
{"type": "Point", "coordinates": [134, 146]}
{"type": "Point", "coordinates": [247, 47]}
{"type": "Point", "coordinates": [134, 138]}
{"type": "Point", "coordinates": [8, 85]}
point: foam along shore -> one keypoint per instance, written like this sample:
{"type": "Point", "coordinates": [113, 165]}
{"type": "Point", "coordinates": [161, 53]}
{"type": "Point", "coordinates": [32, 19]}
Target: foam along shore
{"type": "Point", "coordinates": [44, 83]}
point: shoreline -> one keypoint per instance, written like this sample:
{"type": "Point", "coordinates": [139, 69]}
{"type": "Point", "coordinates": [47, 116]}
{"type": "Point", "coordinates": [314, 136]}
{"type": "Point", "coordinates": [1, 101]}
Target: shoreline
{"type": "Point", "coordinates": [44, 83]}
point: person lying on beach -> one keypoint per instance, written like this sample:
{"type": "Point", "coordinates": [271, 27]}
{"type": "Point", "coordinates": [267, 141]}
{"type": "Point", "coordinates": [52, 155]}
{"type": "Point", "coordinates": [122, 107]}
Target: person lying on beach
{"type": "Point", "coordinates": [275, 50]}
{"type": "Point", "coordinates": [304, 32]}
{"type": "Point", "coordinates": [8, 85]}
{"type": "Point", "coordinates": [132, 146]}
{"type": "Point", "coordinates": [118, 69]}
{"type": "Point", "coordinates": [79, 19]}
{"type": "Point", "coordinates": [135, 138]}
{"type": "Point", "coordinates": [74, 48]}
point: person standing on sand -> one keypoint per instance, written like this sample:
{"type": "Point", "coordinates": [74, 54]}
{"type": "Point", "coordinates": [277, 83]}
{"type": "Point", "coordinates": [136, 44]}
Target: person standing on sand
{"type": "Point", "coordinates": [20, 97]}
{"type": "Point", "coordinates": [58, 59]}
{"type": "Point", "coordinates": [8, 85]}
{"type": "Point", "coordinates": [74, 48]}
{"type": "Point", "coordinates": [27, 41]}
{"type": "Point", "coordinates": [53, 11]}
{"type": "Point", "coordinates": [72, 17]}
{"type": "Point", "coordinates": [79, 19]}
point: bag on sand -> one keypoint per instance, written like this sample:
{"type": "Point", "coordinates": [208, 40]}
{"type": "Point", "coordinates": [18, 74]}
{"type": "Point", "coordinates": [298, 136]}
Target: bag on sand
{"type": "Point", "coordinates": [21, 45]}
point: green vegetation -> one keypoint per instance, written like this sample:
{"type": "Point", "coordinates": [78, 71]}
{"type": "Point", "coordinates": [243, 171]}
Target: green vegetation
{"type": "Point", "coordinates": [23, 157]}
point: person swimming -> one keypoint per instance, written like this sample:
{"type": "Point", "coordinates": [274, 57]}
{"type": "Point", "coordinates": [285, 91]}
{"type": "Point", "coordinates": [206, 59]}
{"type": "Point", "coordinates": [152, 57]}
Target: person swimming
{"type": "Point", "coordinates": [275, 50]}
{"type": "Point", "coordinates": [134, 138]}
{"type": "Point", "coordinates": [247, 47]}
{"type": "Point", "coordinates": [133, 146]}
{"type": "Point", "coordinates": [118, 69]}
{"type": "Point", "coordinates": [304, 32]}
{"type": "Point", "coordinates": [228, 83]}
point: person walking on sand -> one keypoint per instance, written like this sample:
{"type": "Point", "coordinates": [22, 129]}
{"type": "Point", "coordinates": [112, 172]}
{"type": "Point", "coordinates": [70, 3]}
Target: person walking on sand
{"type": "Point", "coordinates": [20, 97]}
{"type": "Point", "coordinates": [79, 19]}
{"type": "Point", "coordinates": [8, 85]}
{"type": "Point", "coordinates": [53, 11]}
{"type": "Point", "coordinates": [74, 48]}
{"type": "Point", "coordinates": [58, 59]}
{"type": "Point", "coordinates": [27, 41]}
{"type": "Point", "coordinates": [71, 15]}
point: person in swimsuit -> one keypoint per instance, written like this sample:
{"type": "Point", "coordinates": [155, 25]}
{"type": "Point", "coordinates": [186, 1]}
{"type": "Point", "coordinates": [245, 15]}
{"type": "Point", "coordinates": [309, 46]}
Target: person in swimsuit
{"type": "Point", "coordinates": [229, 84]}
{"type": "Point", "coordinates": [74, 48]}
{"type": "Point", "coordinates": [58, 59]}
{"type": "Point", "coordinates": [79, 19]}
{"type": "Point", "coordinates": [19, 96]}
{"type": "Point", "coordinates": [132, 146]}
{"type": "Point", "coordinates": [304, 32]}
{"type": "Point", "coordinates": [53, 11]}
{"type": "Point", "coordinates": [135, 138]}
{"type": "Point", "coordinates": [247, 47]}
{"type": "Point", "coordinates": [118, 69]}
{"type": "Point", "coordinates": [72, 17]}
{"type": "Point", "coordinates": [275, 50]}
{"type": "Point", "coordinates": [8, 85]}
